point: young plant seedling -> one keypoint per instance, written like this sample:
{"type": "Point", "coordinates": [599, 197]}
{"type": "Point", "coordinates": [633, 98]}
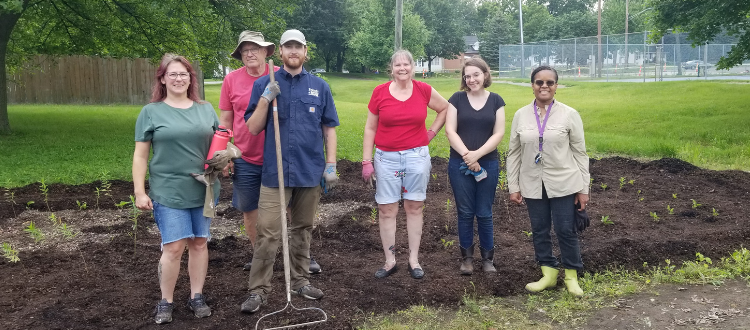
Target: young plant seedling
{"type": "Point", "coordinates": [34, 232]}
{"type": "Point", "coordinates": [714, 212]}
{"type": "Point", "coordinates": [11, 197]}
{"type": "Point", "coordinates": [434, 176]}
{"type": "Point", "coordinates": [10, 253]}
{"type": "Point", "coordinates": [29, 204]}
{"type": "Point", "coordinates": [134, 213]}
{"type": "Point", "coordinates": [373, 215]}
{"type": "Point", "coordinates": [631, 182]}
{"type": "Point", "coordinates": [638, 194]}
{"type": "Point", "coordinates": [670, 210]}
{"type": "Point", "coordinates": [674, 196]}
{"type": "Point", "coordinates": [695, 204]}
{"type": "Point", "coordinates": [447, 205]}
{"type": "Point", "coordinates": [606, 220]}
{"type": "Point", "coordinates": [527, 233]}
{"type": "Point", "coordinates": [622, 182]}
{"type": "Point", "coordinates": [81, 205]}
{"type": "Point", "coordinates": [98, 195]}
{"type": "Point", "coordinates": [122, 204]}
{"type": "Point", "coordinates": [67, 232]}
{"type": "Point", "coordinates": [54, 220]}
{"type": "Point", "coordinates": [654, 216]}
{"type": "Point", "coordinates": [45, 193]}
{"type": "Point", "coordinates": [446, 243]}
{"type": "Point", "coordinates": [604, 186]}
{"type": "Point", "coordinates": [354, 218]}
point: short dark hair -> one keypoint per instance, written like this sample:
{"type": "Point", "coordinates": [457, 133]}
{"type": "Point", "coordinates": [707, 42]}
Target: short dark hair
{"type": "Point", "coordinates": [542, 68]}
{"type": "Point", "coordinates": [481, 65]}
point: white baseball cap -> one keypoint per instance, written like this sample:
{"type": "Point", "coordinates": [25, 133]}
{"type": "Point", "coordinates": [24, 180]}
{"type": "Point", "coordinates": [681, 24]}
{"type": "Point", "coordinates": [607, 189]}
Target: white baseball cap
{"type": "Point", "coordinates": [293, 35]}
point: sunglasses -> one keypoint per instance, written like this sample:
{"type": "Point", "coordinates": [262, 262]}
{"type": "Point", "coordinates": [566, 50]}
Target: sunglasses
{"type": "Point", "coordinates": [540, 83]}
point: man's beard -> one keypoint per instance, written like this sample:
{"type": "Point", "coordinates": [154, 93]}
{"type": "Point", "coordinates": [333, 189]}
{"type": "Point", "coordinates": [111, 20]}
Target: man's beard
{"type": "Point", "coordinates": [293, 63]}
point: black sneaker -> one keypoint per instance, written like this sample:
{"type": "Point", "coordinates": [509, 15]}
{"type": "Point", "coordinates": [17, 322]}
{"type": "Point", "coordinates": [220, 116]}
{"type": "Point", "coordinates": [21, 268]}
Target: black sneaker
{"type": "Point", "coordinates": [248, 265]}
{"type": "Point", "coordinates": [314, 267]}
{"type": "Point", "coordinates": [252, 304]}
{"type": "Point", "coordinates": [163, 312]}
{"type": "Point", "coordinates": [309, 292]}
{"type": "Point", "coordinates": [198, 306]}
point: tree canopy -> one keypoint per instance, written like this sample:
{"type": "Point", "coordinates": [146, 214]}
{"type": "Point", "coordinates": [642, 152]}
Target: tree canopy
{"type": "Point", "coordinates": [703, 20]}
{"type": "Point", "coordinates": [201, 30]}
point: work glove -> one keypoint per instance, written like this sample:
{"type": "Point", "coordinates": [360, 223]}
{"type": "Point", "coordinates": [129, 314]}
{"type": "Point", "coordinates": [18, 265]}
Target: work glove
{"type": "Point", "coordinates": [430, 135]}
{"type": "Point", "coordinates": [216, 164]}
{"type": "Point", "coordinates": [272, 90]}
{"type": "Point", "coordinates": [478, 175]}
{"type": "Point", "coordinates": [330, 179]}
{"type": "Point", "coordinates": [367, 171]}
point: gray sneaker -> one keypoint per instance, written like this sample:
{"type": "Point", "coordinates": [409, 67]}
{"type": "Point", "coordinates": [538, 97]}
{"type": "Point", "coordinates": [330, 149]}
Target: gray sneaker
{"type": "Point", "coordinates": [163, 312]}
{"type": "Point", "coordinates": [248, 265]}
{"type": "Point", "coordinates": [252, 304]}
{"type": "Point", "coordinates": [198, 306]}
{"type": "Point", "coordinates": [314, 267]}
{"type": "Point", "coordinates": [309, 292]}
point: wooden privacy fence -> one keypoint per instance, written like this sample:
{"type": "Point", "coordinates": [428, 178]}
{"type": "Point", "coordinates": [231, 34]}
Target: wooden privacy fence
{"type": "Point", "coordinates": [86, 79]}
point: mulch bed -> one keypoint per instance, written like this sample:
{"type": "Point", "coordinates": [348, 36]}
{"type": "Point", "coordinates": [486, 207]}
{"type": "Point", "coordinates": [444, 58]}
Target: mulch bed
{"type": "Point", "coordinates": [113, 284]}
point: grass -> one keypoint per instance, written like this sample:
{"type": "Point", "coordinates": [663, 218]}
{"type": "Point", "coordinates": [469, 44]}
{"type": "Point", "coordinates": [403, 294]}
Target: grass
{"type": "Point", "coordinates": [556, 308]}
{"type": "Point", "coordinates": [702, 122]}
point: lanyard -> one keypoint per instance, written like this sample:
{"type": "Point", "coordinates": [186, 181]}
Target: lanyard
{"type": "Point", "coordinates": [539, 126]}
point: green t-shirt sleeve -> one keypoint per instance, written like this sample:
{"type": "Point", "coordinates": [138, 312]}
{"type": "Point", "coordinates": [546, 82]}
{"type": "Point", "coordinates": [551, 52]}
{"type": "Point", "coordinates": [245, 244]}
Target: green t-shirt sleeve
{"type": "Point", "coordinates": [144, 127]}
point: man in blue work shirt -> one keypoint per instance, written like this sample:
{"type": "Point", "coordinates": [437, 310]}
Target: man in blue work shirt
{"type": "Point", "coordinates": [307, 124]}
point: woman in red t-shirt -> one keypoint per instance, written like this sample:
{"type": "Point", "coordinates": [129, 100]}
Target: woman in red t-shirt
{"type": "Point", "coordinates": [401, 165]}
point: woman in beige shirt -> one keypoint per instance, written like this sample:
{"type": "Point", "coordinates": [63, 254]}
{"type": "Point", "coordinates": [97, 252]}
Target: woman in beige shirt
{"type": "Point", "coordinates": [548, 167]}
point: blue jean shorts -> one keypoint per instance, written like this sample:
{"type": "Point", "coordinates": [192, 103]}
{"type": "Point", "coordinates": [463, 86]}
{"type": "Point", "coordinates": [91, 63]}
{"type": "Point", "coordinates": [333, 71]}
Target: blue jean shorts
{"type": "Point", "coordinates": [177, 224]}
{"type": "Point", "coordinates": [246, 183]}
{"type": "Point", "coordinates": [402, 173]}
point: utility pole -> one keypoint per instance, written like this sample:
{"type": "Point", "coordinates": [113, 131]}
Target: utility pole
{"type": "Point", "coordinates": [399, 24]}
{"type": "Point", "coordinates": [599, 41]}
{"type": "Point", "coordinates": [627, 18]}
{"type": "Point", "coordinates": [520, 23]}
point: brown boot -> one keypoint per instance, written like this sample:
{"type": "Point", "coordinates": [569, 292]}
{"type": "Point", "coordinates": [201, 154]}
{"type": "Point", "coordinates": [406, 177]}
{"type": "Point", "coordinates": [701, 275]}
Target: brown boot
{"type": "Point", "coordinates": [467, 260]}
{"type": "Point", "coordinates": [488, 265]}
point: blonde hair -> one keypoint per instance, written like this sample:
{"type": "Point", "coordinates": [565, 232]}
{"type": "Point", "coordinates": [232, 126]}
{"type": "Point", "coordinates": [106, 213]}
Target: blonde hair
{"type": "Point", "coordinates": [397, 54]}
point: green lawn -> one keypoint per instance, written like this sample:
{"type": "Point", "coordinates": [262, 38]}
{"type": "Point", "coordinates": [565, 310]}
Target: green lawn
{"type": "Point", "coordinates": [700, 122]}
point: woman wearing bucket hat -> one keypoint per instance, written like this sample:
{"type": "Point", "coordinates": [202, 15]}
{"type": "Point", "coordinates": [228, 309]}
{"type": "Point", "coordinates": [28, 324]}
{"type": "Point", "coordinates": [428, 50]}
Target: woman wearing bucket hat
{"type": "Point", "coordinates": [236, 89]}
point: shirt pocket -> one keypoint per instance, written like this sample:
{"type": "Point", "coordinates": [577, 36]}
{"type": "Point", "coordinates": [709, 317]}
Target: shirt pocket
{"type": "Point", "coordinates": [528, 135]}
{"type": "Point", "coordinates": [311, 113]}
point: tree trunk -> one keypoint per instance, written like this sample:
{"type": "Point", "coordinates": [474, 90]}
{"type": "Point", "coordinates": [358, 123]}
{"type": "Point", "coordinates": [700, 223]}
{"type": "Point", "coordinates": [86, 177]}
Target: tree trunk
{"type": "Point", "coordinates": [429, 64]}
{"type": "Point", "coordinates": [340, 61]}
{"type": "Point", "coordinates": [7, 22]}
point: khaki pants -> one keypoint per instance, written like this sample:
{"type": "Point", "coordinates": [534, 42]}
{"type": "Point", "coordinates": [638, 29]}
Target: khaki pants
{"type": "Point", "coordinates": [304, 205]}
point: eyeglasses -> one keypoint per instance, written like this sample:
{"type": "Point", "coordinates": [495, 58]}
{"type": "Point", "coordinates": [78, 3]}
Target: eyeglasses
{"type": "Point", "coordinates": [253, 50]}
{"type": "Point", "coordinates": [174, 75]}
{"type": "Point", "coordinates": [475, 76]}
{"type": "Point", "coordinates": [550, 83]}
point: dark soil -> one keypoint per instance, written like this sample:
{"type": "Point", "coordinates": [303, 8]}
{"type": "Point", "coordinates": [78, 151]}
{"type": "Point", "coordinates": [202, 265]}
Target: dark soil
{"type": "Point", "coordinates": [104, 283]}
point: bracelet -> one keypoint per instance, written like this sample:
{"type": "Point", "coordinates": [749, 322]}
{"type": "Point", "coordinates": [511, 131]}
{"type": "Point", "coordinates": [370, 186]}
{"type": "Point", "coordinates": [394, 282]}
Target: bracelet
{"type": "Point", "coordinates": [366, 161]}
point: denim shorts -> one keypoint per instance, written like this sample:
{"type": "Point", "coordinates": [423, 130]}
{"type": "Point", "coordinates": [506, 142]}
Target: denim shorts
{"type": "Point", "coordinates": [402, 173]}
{"type": "Point", "coordinates": [177, 224]}
{"type": "Point", "coordinates": [246, 183]}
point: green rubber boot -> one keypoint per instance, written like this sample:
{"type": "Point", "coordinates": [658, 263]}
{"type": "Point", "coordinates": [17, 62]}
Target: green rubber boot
{"type": "Point", "coordinates": [571, 282]}
{"type": "Point", "coordinates": [549, 280]}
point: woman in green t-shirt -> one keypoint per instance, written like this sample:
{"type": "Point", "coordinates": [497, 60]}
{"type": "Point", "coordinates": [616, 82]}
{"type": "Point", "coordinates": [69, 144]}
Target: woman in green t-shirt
{"type": "Point", "coordinates": [178, 127]}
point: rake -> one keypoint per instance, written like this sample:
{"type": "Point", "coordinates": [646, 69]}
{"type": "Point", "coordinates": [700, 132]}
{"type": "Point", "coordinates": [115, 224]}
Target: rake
{"type": "Point", "coordinates": [284, 234]}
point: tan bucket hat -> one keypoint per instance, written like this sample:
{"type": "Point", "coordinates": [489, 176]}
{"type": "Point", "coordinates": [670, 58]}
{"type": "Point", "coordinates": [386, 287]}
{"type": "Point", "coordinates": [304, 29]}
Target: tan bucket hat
{"type": "Point", "coordinates": [256, 38]}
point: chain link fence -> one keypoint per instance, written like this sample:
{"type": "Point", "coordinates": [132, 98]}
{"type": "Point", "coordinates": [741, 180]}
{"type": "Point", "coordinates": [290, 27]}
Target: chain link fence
{"type": "Point", "coordinates": [629, 56]}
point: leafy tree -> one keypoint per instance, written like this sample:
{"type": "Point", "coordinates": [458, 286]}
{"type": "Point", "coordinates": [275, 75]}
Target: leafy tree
{"type": "Point", "coordinates": [202, 30]}
{"type": "Point", "coordinates": [613, 16]}
{"type": "Point", "coordinates": [324, 22]}
{"type": "Point", "coordinates": [372, 43]}
{"type": "Point", "coordinates": [703, 20]}
{"type": "Point", "coordinates": [500, 29]}
{"type": "Point", "coordinates": [446, 38]}
{"type": "Point", "coordinates": [561, 7]}
{"type": "Point", "coordinates": [536, 21]}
